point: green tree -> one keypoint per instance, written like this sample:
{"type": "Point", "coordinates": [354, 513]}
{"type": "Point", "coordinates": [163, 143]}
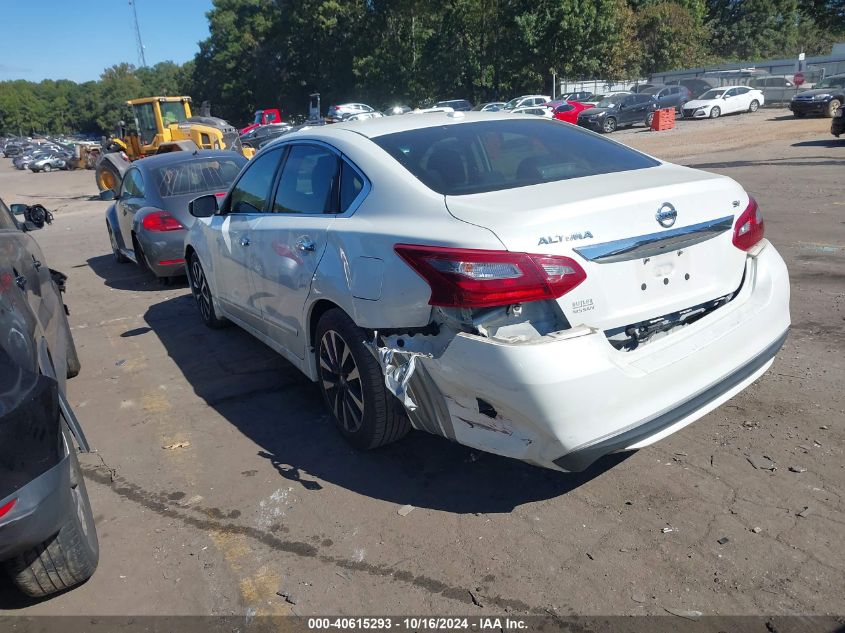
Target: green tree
{"type": "Point", "coordinates": [670, 36]}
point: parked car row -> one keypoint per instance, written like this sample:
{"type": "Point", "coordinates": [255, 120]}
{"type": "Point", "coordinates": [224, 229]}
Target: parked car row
{"type": "Point", "coordinates": [41, 155]}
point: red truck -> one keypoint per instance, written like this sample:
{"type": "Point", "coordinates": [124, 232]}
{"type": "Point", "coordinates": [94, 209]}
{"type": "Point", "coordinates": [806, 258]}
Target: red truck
{"type": "Point", "coordinates": [264, 117]}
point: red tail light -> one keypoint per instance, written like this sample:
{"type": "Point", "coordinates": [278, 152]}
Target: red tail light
{"type": "Point", "coordinates": [749, 228]}
{"type": "Point", "coordinates": [5, 508]}
{"type": "Point", "coordinates": [161, 221]}
{"type": "Point", "coordinates": [470, 278]}
{"type": "Point", "coordinates": [220, 194]}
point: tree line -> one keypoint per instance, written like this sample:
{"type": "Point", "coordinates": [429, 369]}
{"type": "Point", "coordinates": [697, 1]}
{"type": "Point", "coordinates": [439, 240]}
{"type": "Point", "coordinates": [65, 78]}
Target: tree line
{"type": "Point", "coordinates": [265, 53]}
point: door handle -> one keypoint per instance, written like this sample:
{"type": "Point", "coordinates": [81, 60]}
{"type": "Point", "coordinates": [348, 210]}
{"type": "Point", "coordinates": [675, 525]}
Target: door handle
{"type": "Point", "coordinates": [20, 280]}
{"type": "Point", "coordinates": [36, 263]}
{"type": "Point", "coordinates": [245, 241]}
{"type": "Point", "coordinates": [305, 245]}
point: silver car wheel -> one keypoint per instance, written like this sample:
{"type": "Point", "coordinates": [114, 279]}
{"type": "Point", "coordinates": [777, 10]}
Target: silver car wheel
{"type": "Point", "coordinates": [199, 286]}
{"type": "Point", "coordinates": [341, 381]}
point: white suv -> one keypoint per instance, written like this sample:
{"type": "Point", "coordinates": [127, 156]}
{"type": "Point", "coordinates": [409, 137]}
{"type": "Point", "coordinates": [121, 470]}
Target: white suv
{"type": "Point", "coordinates": [515, 284]}
{"type": "Point", "coordinates": [526, 101]}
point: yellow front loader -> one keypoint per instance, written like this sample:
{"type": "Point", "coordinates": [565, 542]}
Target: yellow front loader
{"type": "Point", "coordinates": [162, 124]}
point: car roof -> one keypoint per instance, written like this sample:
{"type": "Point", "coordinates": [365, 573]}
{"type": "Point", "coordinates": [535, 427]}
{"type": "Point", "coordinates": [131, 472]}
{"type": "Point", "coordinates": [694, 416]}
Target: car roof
{"type": "Point", "coordinates": [373, 128]}
{"type": "Point", "coordinates": [171, 158]}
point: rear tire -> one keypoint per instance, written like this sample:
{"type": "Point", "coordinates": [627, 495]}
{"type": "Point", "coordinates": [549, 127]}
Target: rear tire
{"type": "Point", "coordinates": [715, 112]}
{"type": "Point", "coordinates": [202, 293]}
{"type": "Point", "coordinates": [352, 384]}
{"type": "Point", "coordinates": [799, 115]}
{"type": "Point", "coordinates": [71, 556]}
{"type": "Point", "coordinates": [755, 105]}
{"type": "Point", "coordinates": [48, 167]}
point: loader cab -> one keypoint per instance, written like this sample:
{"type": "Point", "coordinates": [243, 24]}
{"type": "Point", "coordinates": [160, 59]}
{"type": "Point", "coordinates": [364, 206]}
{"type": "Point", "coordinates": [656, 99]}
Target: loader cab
{"type": "Point", "coordinates": [153, 116]}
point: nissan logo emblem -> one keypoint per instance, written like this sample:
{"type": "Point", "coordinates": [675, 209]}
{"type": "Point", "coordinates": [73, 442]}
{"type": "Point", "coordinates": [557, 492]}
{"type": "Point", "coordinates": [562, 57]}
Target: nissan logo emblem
{"type": "Point", "coordinates": [666, 215]}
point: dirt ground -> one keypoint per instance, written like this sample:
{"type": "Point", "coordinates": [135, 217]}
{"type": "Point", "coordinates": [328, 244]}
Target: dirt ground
{"type": "Point", "coordinates": [268, 498]}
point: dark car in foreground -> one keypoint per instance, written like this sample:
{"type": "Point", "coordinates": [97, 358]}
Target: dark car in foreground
{"type": "Point", "coordinates": [148, 219]}
{"type": "Point", "coordinates": [622, 110]}
{"type": "Point", "coordinates": [825, 97]}
{"type": "Point", "coordinates": [48, 541]}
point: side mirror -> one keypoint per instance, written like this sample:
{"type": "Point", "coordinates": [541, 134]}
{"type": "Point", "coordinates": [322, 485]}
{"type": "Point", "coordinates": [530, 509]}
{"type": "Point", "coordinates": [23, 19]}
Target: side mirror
{"type": "Point", "coordinates": [204, 206]}
{"type": "Point", "coordinates": [108, 194]}
{"type": "Point", "coordinates": [18, 209]}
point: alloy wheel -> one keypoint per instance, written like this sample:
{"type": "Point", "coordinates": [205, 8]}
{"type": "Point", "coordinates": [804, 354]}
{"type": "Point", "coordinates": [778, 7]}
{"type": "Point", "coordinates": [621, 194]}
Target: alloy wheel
{"type": "Point", "coordinates": [199, 286]}
{"type": "Point", "coordinates": [341, 381]}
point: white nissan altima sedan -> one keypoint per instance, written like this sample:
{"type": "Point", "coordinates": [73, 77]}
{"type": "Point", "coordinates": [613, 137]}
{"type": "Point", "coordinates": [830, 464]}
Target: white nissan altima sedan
{"type": "Point", "coordinates": [514, 284]}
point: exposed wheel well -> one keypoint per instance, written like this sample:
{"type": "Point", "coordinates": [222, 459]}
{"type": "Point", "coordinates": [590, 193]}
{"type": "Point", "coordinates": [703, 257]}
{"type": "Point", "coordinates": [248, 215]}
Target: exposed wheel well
{"type": "Point", "coordinates": [318, 310]}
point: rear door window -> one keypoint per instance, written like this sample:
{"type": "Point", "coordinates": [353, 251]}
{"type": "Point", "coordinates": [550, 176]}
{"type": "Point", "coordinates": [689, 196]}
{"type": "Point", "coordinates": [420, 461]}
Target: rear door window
{"type": "Point", "coordinates": [351, 186]}
{"type": "Point", "coordinates": [309, 182]}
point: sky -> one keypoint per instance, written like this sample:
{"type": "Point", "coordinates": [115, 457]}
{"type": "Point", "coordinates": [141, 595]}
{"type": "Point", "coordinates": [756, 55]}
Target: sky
{"type": "Point", "coordinates": [78, 39]}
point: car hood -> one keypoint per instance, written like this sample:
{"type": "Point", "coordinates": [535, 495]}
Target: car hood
{"type": "Point", "coordinates": [701, 103]}
{"type": "Point", "coordinates": [818, 91]}
{"type": "Point", "coordinates": [595, 111]}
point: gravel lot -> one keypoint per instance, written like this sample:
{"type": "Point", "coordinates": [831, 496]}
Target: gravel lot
{"type": "Point", "coordinates": [267, 497]}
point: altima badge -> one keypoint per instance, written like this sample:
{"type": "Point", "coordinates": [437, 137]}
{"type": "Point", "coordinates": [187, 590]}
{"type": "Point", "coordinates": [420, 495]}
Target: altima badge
{"type": "Point", "coordinates": [555, 239]}
{"type": "Point", "coordinates": [666, 215]}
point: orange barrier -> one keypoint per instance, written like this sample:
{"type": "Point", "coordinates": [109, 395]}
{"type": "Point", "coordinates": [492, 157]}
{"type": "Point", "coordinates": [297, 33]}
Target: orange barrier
{"type": "Point", "coordinates": [663, 119]}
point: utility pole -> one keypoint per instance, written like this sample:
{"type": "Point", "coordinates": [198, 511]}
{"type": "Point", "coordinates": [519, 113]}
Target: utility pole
{"type": "Point", "coordinates": [141, 58]}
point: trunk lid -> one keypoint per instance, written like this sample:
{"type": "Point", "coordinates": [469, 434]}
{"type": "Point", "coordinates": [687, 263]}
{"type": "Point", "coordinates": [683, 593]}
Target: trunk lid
{"type": "Point", "coordinates": [637, 268]}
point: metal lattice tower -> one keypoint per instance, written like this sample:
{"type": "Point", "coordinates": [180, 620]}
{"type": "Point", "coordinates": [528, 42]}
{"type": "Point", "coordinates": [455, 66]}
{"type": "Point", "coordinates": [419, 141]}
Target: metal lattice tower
{"type": "Point", "coordinates": [141, 58]}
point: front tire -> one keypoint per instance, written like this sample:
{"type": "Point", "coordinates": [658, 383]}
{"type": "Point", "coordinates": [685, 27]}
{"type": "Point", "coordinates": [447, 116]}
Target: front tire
{"type": "Point", "coordinates": [71, 556]}
{"type": "Point", "coordinates": [832, 107]}
{"type": "Point", "coordinates": [609, 125]}
{"type": "Point", "coordinates": [352, 384]}
{"type": "Point", "coordinates": [715, 112]}
{"type": "Point", "coordinates": [799, 115]}
{"type": "Point", "coordinates": [649, 118]}
{"type": "Point", "coordinates": [755, 105]}
{"type": "Point", "coordinates": [202, 293]}
{"type": "Point", "coordinates": [119, 257]}
{"type": "Point", "coordinates": [107, 176]}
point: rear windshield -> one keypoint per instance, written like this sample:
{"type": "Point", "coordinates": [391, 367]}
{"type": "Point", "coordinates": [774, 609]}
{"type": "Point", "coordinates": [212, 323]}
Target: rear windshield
{"type": "Point", "coordinates": [197, 176]}
{"type": "Point", "coordinates": [472, 158]}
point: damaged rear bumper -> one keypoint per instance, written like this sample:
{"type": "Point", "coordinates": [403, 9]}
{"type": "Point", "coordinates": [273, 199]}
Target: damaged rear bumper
{"type": "Point", "coordinates": [565, 399]}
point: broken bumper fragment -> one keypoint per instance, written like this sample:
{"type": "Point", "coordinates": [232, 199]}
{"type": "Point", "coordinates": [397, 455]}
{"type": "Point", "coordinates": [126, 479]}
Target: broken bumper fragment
{"type": "Point", "coordinates": [565, 399]}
